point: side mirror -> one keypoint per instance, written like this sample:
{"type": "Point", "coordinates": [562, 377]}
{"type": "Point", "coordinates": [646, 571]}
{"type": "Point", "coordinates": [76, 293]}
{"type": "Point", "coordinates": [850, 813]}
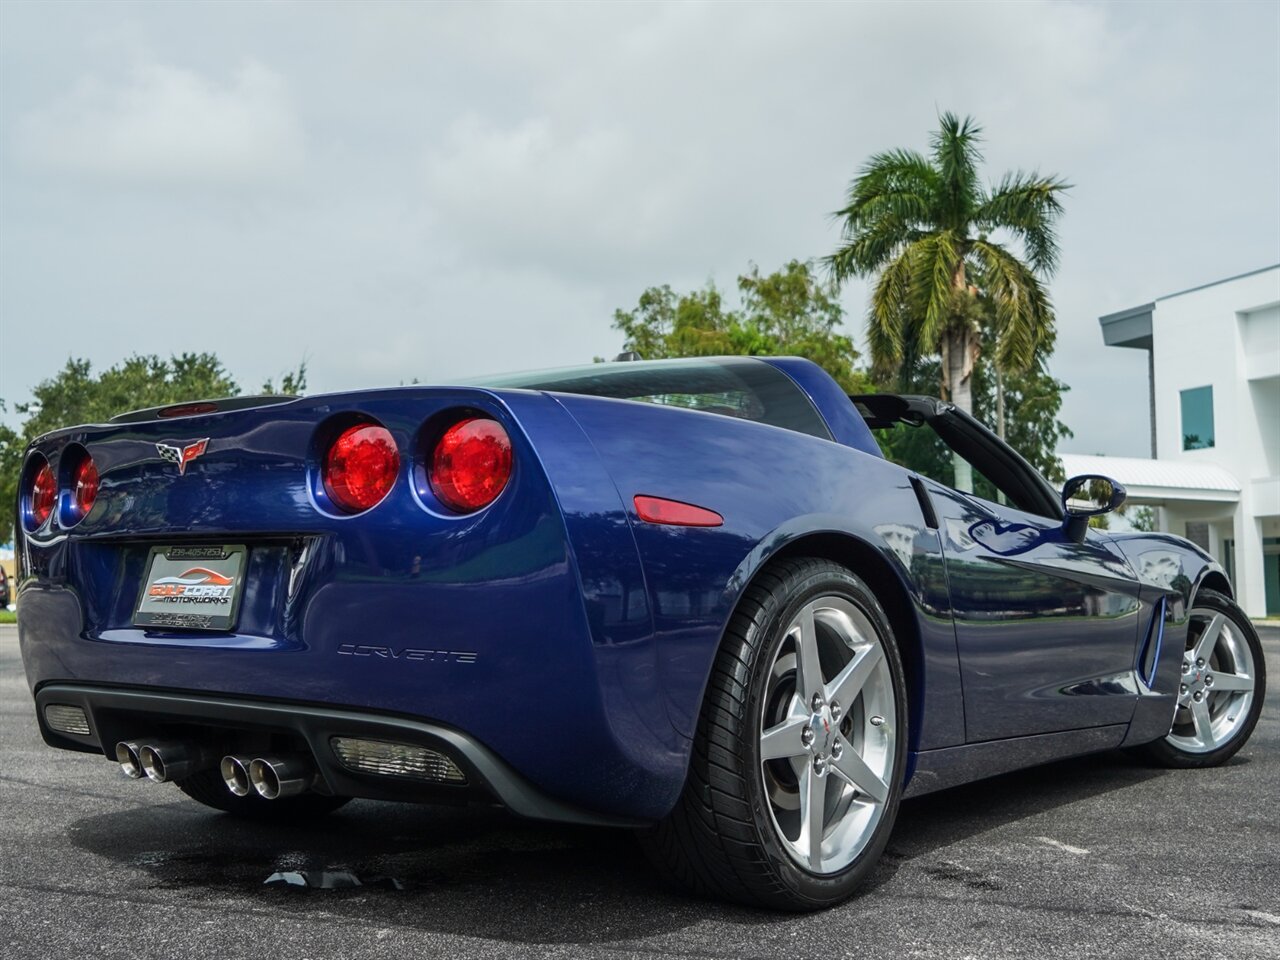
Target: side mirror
{"type": "Point", "coordinates": [1085, 496]}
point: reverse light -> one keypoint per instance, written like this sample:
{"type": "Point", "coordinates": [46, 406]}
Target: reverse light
{"type": "Point", "coordinates": [43, 494]}
{"type": "Point", "coordinates": [361, 467]}
{"type": "Point", "coordinates": [66, 718]}
{"type": "Point", "coordinates": [84, 485]}
{"type": "Point", "coordinates": [471, 464]}
{"type": "Point", "coordinates": [387, 759]}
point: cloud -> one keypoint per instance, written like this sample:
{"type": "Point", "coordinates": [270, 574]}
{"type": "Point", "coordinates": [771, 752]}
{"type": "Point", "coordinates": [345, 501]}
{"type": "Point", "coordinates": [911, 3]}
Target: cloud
{"type": "Point", "coordinates": [535, 191]}
{"type": "Point", "coordinates": [479, 186]}
{"type": "Point", "coordinates": [169, 125]}
{"type": "Point", "coordinates": [698, 137]}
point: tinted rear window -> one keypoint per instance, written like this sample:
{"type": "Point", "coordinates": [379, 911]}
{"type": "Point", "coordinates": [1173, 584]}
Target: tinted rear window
{"type": "Point", "coordinates": [732, 387]}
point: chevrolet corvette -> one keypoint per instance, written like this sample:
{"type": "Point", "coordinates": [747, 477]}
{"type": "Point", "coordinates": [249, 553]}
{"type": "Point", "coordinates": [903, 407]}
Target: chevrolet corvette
{"type": "Point", "coordinates": [716, 600]}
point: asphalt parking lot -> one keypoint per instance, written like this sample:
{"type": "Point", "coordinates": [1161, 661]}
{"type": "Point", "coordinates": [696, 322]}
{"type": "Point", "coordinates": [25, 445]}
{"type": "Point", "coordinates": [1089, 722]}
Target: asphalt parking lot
{"type": "Point", "coordinates": [1086, 858]}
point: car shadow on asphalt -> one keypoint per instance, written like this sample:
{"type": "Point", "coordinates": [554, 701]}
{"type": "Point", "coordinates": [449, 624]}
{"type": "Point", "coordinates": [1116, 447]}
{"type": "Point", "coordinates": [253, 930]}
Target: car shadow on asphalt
{"type": "Point", "coordinates": [481, 872]}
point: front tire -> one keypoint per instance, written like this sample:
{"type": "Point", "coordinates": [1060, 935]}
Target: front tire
{"type": "Point", "coordinates": [798, 762]}
{"type": "Point", "coordinates": [1223, 684]}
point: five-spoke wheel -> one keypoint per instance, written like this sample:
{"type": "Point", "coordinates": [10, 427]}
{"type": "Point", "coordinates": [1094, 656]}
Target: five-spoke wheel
{"type": "Point", "coordinates": [1218, 677]}
{"type": "Point", "coordinates": [826, 745]}
{"type": "Point", "coordinates": [798, 764]}
{"type": "Point", "coordinates": [1221, 688]}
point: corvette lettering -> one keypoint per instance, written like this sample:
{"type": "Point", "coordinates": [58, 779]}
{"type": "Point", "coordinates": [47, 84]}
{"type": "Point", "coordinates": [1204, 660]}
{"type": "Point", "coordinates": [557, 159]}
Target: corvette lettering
{"type": "Point", "coordinates": [418, 654]}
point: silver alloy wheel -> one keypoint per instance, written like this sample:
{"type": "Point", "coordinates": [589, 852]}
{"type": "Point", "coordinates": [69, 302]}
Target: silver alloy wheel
{"type": "Point", "coordinates": [1216, 690]}
{"type": "Point", "coordinates": [827, 735]}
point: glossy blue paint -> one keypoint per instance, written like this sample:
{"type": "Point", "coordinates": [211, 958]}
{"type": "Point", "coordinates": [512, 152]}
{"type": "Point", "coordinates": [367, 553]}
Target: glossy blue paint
{"type": "Point", "coordinates": [847, 427]}
{"type": "Point", "coordinates": [1170, 570]}
{"type": "Point", "coordinates": [1047, 628]}
{"type": "Point", "coordinates": [810, 488]}
{"type": "Point", "coordinates": [554, 628]}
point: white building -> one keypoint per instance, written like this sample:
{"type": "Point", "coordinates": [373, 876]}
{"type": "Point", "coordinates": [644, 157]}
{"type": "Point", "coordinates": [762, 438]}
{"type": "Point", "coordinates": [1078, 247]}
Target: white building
{"type": "Point", "coordinates": [1214, 364]}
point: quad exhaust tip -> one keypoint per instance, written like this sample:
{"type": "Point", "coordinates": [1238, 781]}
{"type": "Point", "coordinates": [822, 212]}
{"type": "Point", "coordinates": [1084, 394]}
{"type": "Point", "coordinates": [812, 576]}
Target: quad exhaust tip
{"type": "Point", "coordinates": [160, 760]}
{"type": "Point", "coordinates": [127, 756]}
{"type": "Point", "coordinates": [235, 774]}
{"type": "Point", "coordinates": [275, 777]}
{"type": "Point", "coordinates": [163, 761]}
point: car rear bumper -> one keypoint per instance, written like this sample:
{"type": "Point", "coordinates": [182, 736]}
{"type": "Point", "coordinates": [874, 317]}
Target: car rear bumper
{"type": "Point", "coordinates": [222, 724]}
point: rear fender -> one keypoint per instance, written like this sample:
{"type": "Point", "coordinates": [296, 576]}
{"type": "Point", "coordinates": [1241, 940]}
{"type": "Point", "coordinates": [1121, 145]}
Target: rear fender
{"type": "Point", "coordinates": [773, 487]}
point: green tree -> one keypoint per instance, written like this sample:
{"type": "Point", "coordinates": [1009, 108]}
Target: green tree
{"type": "Point", "coordinates": [667, 324]}
{"type": "Point", "coordinates": [1033, 401]}
{"type": "Point", "coordinates": [293, 383]}
{"type": "Point", "coordinates": [791, 312]}
{"type": "Point", "coordinates": [74, 395]}
{"type": "Point", "coordinates": [925, 226]}
{"type": "Point", "coordinates": [1141, 519]}
{"type": "Point", "coordinates": [11, 446]}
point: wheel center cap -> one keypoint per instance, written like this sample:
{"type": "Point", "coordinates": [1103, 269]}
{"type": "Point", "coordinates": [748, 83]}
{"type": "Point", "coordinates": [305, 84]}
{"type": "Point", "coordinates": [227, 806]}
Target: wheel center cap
{"type": "Point", "coordinates": [824, 730]}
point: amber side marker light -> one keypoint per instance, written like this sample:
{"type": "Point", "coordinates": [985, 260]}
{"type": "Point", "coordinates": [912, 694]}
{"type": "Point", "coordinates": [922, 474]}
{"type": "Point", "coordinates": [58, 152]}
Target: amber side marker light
{"type": "Point", "coordinates": [674, 513]}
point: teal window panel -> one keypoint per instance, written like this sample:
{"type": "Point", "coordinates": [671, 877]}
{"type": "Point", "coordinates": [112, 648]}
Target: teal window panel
{"type": "Point", "coordinates": [1197, 418]}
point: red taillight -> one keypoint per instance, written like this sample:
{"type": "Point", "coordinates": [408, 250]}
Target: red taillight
{"type": "Point", "coordinates": [361, 466]}
{"type": "Point", "coordinates": [471, 464]}
{"type": "Point", "coordinates": [44, 491]}
{"type": "Point", "coordinates": [85, 485]}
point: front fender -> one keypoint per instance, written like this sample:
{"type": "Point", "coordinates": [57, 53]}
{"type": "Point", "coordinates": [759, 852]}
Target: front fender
{"type": "Point", "coordinates": [1171, 571]}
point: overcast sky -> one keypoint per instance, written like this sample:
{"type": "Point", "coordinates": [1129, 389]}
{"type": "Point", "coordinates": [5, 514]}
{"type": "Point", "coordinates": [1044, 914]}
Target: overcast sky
{"type": "Point", "coordinates": [396, 191]}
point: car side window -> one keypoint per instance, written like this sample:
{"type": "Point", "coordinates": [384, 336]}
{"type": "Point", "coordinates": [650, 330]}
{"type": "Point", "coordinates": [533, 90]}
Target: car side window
{"type": "Point", "coordinates": [919, 448]}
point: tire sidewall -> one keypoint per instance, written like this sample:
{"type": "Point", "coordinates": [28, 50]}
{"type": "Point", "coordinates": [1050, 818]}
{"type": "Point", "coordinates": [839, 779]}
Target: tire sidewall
{"type": "Point", "coordinates": [768, 639]}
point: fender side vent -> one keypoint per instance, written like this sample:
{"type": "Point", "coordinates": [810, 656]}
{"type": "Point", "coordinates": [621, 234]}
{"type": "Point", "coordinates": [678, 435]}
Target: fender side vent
{"type": "Point", "coordinates": [1151, 649]}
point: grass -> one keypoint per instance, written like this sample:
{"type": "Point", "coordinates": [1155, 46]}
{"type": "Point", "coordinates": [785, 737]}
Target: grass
{"type": "Point", "coordinates": [8, 616]}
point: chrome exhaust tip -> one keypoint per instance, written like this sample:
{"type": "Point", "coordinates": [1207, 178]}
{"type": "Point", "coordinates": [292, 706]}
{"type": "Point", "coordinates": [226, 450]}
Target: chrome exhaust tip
{"type": "Point", "coordinates": [235, 774]}
{"type": "Point", "coordinates": [275, 777]}
{"type": "Point", "coordinates": [127, 757]}
{"type": "Point", "coordinates": [172, 760]}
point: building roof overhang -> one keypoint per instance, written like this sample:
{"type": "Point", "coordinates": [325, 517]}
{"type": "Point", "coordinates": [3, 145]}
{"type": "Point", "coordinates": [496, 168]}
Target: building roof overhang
{"type": "Point", "coordinates": [1159, 480]}
{"type": "Point", "coordinates": [1128, 328]}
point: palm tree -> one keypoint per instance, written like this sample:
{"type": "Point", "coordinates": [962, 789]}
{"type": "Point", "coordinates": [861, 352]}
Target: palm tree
{"type": "Point", "coordinates": [926, 226]}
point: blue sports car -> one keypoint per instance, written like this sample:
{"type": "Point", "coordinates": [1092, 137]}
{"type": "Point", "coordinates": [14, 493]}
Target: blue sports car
{"type": "Point", "coordinates": [715, 600]}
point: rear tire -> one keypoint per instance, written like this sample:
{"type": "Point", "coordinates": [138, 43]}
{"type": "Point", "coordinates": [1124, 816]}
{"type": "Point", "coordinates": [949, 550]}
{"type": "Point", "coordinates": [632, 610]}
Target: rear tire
{"type": "Point", "coordinates": [1223, 684]}
{"type": "Point", "coordinates": [207, 788]}
{"type": "Point", "coordinates": [804, 722]}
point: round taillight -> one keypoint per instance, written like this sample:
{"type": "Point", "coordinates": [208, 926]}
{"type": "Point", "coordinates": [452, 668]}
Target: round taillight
{"type": "Point", "coordinates": [85, 485]}
{"type": "Point", "coordinates": [44, 492]}
{"type": "Point", "coordinates": [361, 466]}
{"type": "Point", "coordinates": [471, 464]}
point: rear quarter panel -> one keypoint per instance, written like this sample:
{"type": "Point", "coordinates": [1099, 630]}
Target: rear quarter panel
{"type": "Point", "coordinates": [774, 488]}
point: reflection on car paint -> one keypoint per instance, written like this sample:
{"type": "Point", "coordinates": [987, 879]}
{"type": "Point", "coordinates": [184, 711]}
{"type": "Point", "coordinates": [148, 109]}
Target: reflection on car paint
{"type": "Point", "coordinates": [329, 880]}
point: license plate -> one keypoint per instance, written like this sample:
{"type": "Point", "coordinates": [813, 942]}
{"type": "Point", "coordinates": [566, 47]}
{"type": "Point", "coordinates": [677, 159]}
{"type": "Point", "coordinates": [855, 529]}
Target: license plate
{"type": "Point", "coordinates": [193, 588]}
